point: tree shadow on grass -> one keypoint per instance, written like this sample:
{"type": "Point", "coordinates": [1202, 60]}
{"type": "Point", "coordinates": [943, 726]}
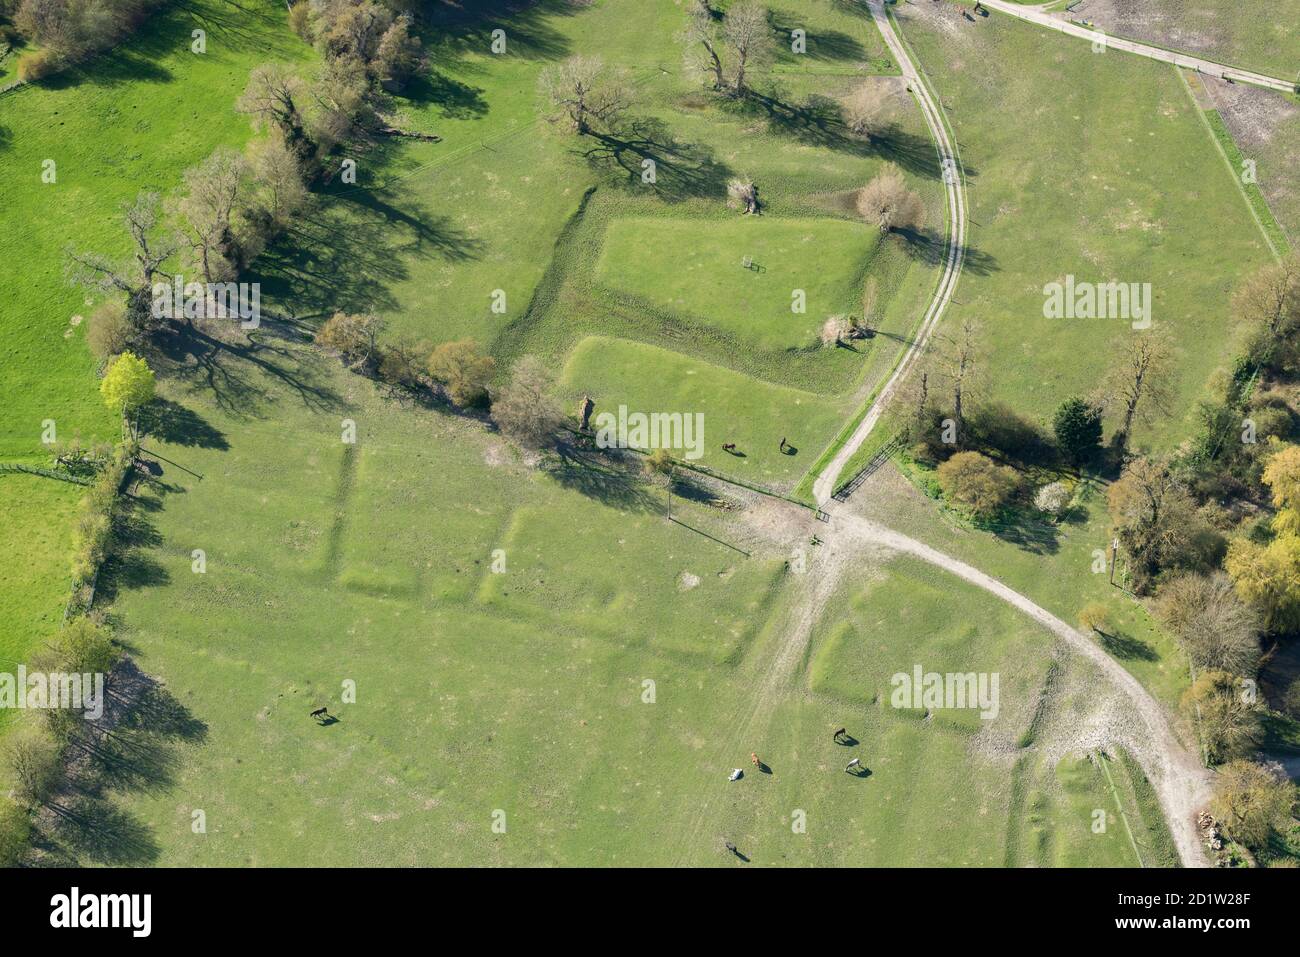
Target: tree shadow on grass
{"type": "Point", "coordinates": [138, 59]}
{"type": "Point", "coordinates": [594, 475]}
{"type": "Point", "coordinates": [135, 747]}
{"type": "Point", "coordinates": [455, 33]}
{"type": "Point", "coordinates": [1126, 647]}
{"type": "Point", "coordinates": [1021, 528]}
{"type": "Point", "coordinates": [175, 424]}
{"type": "Point", "coordinates": [346, 253]}
{"type": "Point", "coordinates": [455, 99]}
{"type": "Point", "coordinates": [822, 45]}
{"type": "Point", "coordinates": [681, 170]}
{"type": "Point", "coordinates": [929, 247]}
{"type": "Point", "coordinates": [233, 370]}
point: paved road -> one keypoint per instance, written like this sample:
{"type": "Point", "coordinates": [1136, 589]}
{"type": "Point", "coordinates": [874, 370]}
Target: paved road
{"type": "Point", "coordinates": [1053, 22]}
{"type": "Point", "coordinates": [955, 191]}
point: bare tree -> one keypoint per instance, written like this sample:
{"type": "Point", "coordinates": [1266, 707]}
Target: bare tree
{"type": "Point", "coordinates": [524, 409]}
{"type": "Point", "coordinates": [958, 360]}
{"type": "Point", "coordinates": [278, 189]}
{"type": "Point", "coordinates": [343, 103]}
{"type": "Point", "coordinates": [1268, 303]}
{"type": "Point", "coordinates": [271, 99]}
{"type": "Point", "coordinates": [354, 336]}
{"type": "Point", "coordinates": [888, 203]}
{"type": "Point", "coordinates": [1139, 379]}
{"type": "Point", "coordinates": [835, 330]}
{"type": "Point", "coordinates": [703, 41]}
{"type": "Point", "coordinates": [1216, 629]}
{"type": "Point", "coordinates": [206, 213]}
{"type": "Point", "coordinates": [748, 35]}
{"type": "Point", "coordinates": [743, 194]}
{"type": "Point", "coordinates": [585, 93]}
{"type": "Point", "coordinates": [867, 108]}
{"type": "Point", "coordinates": [134, 277]}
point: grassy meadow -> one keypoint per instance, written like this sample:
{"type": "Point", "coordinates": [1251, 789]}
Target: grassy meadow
{"type": "Point", "coordinates": [1114, 176]}
{"type": "Point", "coordinates": [527, 662]}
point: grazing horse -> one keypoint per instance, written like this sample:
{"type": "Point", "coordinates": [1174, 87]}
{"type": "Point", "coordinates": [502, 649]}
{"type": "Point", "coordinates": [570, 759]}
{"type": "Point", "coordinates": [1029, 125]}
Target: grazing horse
{"type": "Point", "coordinates": [729, 447]}
{"type": "Point", "coordinates": [855, 763]}
{"type": "Point", "coordinates": [754, 758]}
{"type": "Point", "coordinates": [320, 713]}
{"type": "Point", "coordinates": [840, 733]}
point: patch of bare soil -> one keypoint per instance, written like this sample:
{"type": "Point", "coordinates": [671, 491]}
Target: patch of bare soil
{"type": "Point", "coordinates": [940, 15]}
{"type": "Point", "coordinates": [1170, 24]}
{"type": "Point", "coordinates": [1266, 128]}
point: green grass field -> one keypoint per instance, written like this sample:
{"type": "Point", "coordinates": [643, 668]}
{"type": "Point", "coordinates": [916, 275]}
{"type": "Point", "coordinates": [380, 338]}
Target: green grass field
{"type": "Point", "coordinates": [754, 415]}
{"type": "Point", "coordinates": [37, 516]}
{"type": "Point", "coordinates": [518, 692]}
{"type": "Point", "coordinates": [1112, 177]}
{"type": "Point", "coordinates": [535, 644]}
{"type": "Point", "coordinates": [129, 121]}
{"type": "Point", "coordinates": [692, 267]}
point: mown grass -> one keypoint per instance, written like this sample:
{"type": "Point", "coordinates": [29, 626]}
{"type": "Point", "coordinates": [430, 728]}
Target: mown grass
{"type": "Point", "coordinates": [510, 208]}
{"type": "Point", "coordinates": [522, 692]}
{"type": "Point", "coordinates": [909, 613]}
{"type": "Point", "coordinates": [520, 696]}
{"type": "Point", "coordinates": [680, 266]}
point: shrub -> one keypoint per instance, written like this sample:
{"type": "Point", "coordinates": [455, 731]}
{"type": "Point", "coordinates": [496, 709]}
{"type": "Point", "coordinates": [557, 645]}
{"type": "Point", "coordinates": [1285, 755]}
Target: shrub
{"type": "Point", "coordinates": [463, 370]}
{"type": "Point", "coordinates": [1249, 803]}
{"type": "Point", "coordinates": [1053, 499]}
{"type": "Point", "coordinates": [977, 483]}
{"type": "Point", "coordinates": [15, 832]}
{"type": "Point", "coordinates": [353, 336]}
{"type": "Point", "coordinates": [659, 462]}
{"type": "Point", "coordinates": [110, 331]}
{"type": "Point", "coordinates": [33, 759]}
{"type": "Point", "coordinates": [1214, 627]}
{"type": "Point", "coordinates": [300, 19]}
{"type": "Point", "coordinates": [37, 65]}
{"type": "Point", "coordinates": [1228, 721]}
{"type": "Point", "coordinates": [403, 364]}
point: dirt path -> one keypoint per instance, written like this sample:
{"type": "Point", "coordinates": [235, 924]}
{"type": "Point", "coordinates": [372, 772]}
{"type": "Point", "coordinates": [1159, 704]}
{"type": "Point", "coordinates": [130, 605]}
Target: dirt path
{"type": "Point", "coordinates": [1181, 782]}
{"type": "Point", "coordinates": [1044, 19]}
{"type": "Point", "coordinates": [955, 190]}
